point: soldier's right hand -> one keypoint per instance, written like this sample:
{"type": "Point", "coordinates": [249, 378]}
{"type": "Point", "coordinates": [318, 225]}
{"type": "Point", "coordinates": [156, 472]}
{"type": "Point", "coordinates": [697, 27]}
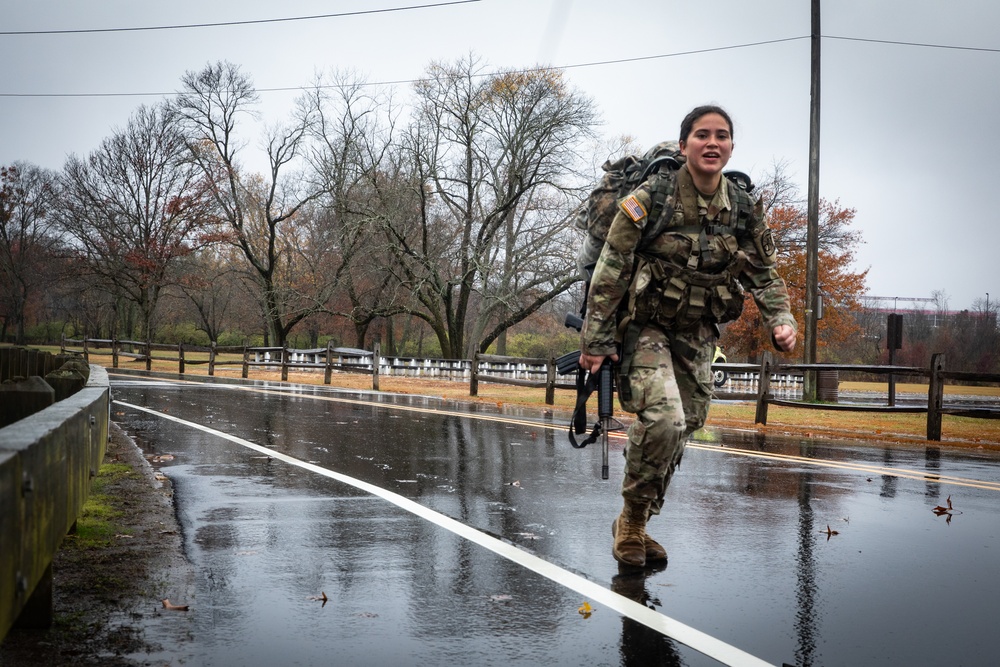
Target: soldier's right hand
{"type": "Point", "coordinates": [593, 362]}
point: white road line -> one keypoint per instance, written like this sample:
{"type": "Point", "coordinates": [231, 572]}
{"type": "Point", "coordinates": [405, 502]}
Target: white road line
{"type": "Point", "coordinates": [699, 641]}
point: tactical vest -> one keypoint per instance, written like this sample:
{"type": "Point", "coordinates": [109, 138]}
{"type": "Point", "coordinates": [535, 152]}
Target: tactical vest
{"type": "Point", "coordinates": [677, 292]}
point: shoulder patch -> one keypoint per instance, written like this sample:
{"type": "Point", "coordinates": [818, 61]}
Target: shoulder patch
{"type": "Point", "coordinates": [767, 243]}
{"type": "Point", "coordinates": [633, 208]}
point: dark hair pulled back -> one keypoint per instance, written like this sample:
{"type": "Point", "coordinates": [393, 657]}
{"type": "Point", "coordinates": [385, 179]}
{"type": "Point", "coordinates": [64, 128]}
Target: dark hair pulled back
{"type": "Point", "coordinates": [689, 120]}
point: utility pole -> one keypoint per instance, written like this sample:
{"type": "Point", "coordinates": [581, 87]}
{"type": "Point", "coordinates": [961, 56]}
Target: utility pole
{"type": "Point", "coordinates": [812, 230]}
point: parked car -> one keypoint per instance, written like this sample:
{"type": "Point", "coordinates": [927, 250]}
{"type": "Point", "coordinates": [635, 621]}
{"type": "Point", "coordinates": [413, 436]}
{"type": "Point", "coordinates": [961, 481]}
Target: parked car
{"type": "Point", "coordinates": [719, 377]}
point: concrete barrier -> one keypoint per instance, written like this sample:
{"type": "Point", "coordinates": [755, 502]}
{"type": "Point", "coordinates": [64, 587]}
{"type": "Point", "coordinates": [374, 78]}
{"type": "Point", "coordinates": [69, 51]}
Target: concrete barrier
{"type": "Point", "coordinates": [47, 461]}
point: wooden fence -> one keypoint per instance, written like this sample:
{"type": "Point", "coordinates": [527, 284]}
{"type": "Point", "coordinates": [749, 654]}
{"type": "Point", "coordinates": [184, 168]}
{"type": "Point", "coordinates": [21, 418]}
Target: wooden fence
{"type": "Point", "coordinates": [935, 407]}
{"type": "Point", "coordinates": [541, 373]}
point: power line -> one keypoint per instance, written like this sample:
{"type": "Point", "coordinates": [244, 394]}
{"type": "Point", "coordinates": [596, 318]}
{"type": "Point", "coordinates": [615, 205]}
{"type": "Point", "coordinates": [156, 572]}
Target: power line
{"type": "Point", "coordinates": [595, 63]}
{"type": "Point", "coordinates": [926, 46]}
{"type": "Point", "coordinates": [79, 31]}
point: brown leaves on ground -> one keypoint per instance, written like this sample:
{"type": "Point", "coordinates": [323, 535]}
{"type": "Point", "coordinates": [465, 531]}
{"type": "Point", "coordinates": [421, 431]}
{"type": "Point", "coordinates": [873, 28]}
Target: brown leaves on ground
{"type": "Point", "coordinates": [948, 511]}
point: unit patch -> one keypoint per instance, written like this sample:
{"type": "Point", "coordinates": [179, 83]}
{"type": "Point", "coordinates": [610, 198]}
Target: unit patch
{"type": "Point", "coordinates": [633, 208]}
{"type": "Point", "coordinates": [765, 246]}
{"type": "Point", "coordinates": [767, 243]}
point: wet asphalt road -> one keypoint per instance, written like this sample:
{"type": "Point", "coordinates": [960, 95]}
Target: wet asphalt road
{"type": "Point", "coordinates": [793, 551]}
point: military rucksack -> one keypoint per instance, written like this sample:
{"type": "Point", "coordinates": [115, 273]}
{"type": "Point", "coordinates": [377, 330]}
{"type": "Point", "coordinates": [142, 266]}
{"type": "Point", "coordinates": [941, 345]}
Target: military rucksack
{"type": "Point", "coordinates": [621, 177]}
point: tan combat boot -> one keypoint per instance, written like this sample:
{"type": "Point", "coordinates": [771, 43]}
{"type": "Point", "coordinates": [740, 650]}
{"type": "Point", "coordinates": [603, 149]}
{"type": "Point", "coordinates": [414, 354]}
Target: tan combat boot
{"type": "Point", "coordinates": [628, 530]}
{"type": "Point", "coordinates": [654, 550]}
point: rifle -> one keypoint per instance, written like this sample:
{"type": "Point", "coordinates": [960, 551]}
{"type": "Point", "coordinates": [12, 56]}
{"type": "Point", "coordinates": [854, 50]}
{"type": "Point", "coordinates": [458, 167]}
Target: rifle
{"type": "Point", "coordinates": [586, 383]}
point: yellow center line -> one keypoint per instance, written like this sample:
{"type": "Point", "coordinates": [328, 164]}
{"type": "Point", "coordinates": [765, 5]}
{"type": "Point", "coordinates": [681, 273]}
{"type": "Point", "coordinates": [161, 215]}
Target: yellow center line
{"type": "Point", "coordinates": [773, 456]}
{"type": "Point", "coordinates": [861, 467]}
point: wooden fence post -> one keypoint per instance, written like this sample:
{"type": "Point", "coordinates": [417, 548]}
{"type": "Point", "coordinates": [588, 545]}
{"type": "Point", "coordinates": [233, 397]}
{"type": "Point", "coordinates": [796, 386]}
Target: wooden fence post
{"type": "Point", "coordinates": [149, 355]}
{"type": "Point", "coordinates": [246, 360]}
{"type": "Point", "coordinates": [935, 397]}
{"type": "Point", "coordinates": [180, 358]}
{"type": "Point", "coordinates": [284, 362]}
{"type": "Point", "coordinates": [550, 381]}
{"type": "Point", "coordinates": [211, 359]}
{"type": "Point", "coordinates": [328, 370]}
{"type": "Point", "coordinates": [114, 353]}
{"type": "Point", "coordinates": [474, 376]}
{"type": "Point", "coordinates": [763, 388]}
{"type": "Point", "coordinates": [376, 356]}
{"type": "Point", "coordinates": [86, 354]}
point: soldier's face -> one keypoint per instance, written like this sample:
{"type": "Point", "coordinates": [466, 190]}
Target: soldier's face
{"type": "Point", "coordinates": [709, 146]}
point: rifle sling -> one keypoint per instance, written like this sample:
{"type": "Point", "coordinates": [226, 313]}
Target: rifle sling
{"type": "Point", "coordinates": [578, 424]}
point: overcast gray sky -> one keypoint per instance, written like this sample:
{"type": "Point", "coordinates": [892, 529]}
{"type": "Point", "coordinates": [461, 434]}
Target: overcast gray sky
{"type": "Point", "coordinates": [910, 90]}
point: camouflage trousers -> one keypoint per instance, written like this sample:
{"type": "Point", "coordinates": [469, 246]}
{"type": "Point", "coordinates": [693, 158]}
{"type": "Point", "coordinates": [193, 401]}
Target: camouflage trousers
{"type": "Point", "coordinates": [670, 398]}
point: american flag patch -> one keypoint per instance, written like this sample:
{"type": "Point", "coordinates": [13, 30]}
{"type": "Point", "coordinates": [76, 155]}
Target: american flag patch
{"type": "Point", "coordinates": [633, 208]}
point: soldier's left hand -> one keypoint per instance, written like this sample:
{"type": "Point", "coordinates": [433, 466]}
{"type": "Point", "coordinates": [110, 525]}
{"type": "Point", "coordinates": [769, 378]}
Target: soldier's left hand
{"type": "Point", "coordinates": [784, 337]}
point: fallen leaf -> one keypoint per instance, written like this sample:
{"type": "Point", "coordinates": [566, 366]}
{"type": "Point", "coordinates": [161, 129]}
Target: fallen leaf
{"type": "Point", "coordinates": [174, 607]}
{"type": "Point", "coordinates": [948, 511]}
{"type": "Point", "coordinates": [586, 610]}
{"type": "Point", "coordinates": [320, 598]}
{"type": "Point", "coordinates": [501, 598]}
{"type": "Point", "coordinates": [829, 532]}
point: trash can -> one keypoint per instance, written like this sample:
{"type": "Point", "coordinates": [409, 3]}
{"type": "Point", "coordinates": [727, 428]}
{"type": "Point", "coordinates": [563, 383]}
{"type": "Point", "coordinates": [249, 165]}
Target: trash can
{"type": "Point", "coordinates": [827, 386]}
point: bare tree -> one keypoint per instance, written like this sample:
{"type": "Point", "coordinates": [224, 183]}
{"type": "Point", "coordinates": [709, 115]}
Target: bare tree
{"type": "Point", "coordinates": [353, 158]}
{"type": "Point", "coordinates": [488, 153]}
{"type": "Point", "coordinates": [28, 241]}
{"type": "Point", "coordinates": [256, 210]}
{"type": "Point", "coordinates": [211, 285]}
{"type": "Point", "coordinates": [132, 208]}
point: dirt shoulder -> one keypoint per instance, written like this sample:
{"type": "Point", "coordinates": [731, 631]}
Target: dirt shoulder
{"type": "Point", "coordinates": [110, 577]}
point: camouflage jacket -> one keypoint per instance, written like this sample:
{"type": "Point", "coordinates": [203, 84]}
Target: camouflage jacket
{"type": "Point", "coordinates": [613, 273]}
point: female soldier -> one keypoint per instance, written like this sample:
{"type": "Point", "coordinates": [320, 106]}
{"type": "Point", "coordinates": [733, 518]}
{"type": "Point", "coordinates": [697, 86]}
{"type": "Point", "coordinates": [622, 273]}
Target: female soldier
{"type": "Point", "coordinates": [679, 285]}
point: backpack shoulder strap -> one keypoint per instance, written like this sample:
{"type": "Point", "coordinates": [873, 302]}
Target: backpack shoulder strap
{"type": "Point", "coordinates": [740, 187]}
{"type": "Point", "coordinates": [662, 181]}
{"type": "Point", "coordinates": [741, 214]}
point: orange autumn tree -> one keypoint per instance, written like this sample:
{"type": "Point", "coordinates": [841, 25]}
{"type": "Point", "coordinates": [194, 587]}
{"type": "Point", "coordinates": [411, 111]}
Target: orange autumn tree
{"type": "Point", "coordinates": [840, 285]}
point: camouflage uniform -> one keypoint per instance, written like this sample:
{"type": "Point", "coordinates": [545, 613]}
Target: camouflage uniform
{"type": "Point", "coordinates": [671, 392]}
